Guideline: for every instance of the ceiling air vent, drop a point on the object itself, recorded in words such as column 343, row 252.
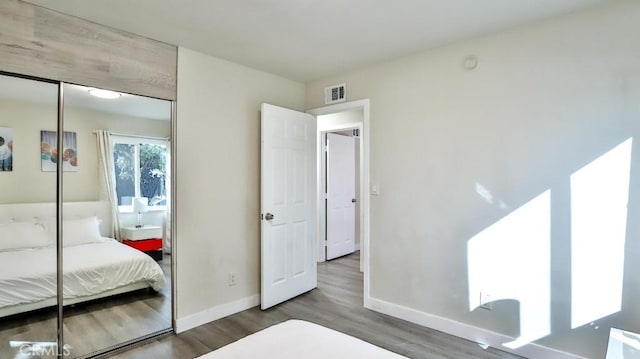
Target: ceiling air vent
column 336, row 93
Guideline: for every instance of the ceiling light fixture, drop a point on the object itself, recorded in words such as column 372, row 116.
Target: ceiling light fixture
column 104, row 93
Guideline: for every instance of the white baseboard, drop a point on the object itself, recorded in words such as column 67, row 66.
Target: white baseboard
column 215, row 313
column 466, row 331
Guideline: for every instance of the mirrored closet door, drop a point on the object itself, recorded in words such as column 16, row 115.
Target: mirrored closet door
column 28, row 264
column 109, row 173
column 116, row 219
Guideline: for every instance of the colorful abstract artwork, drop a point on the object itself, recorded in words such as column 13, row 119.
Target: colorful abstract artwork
column 50, row 153
column 6, row 149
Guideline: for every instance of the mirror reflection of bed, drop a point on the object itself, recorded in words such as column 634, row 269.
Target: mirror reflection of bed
column 107, row 285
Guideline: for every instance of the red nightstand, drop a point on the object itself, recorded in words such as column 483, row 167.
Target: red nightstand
column 147, row 239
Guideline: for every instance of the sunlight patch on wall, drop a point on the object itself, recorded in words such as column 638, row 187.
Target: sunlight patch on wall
column 599, row 196
column 483, row 192
column 511, row 260
column 486, row 195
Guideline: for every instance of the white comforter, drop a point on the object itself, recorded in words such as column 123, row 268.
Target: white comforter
column 296, row 339
column 29, row 276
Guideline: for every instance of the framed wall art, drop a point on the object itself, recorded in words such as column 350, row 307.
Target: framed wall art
column 50, row 154
column 6, row 149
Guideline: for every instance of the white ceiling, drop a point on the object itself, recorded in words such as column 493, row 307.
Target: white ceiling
column 126, row 104
column 19, row 89
column 305, row 40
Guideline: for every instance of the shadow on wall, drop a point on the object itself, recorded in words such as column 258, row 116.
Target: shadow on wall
column 513, row 258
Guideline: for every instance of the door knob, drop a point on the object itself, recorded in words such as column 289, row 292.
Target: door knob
column 268, row 216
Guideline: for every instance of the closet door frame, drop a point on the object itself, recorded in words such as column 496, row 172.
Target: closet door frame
column 59, row 217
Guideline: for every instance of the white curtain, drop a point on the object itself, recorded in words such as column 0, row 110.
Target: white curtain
column 105, row 154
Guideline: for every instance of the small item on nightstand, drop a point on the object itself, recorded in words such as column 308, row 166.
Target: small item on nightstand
column 140, row 206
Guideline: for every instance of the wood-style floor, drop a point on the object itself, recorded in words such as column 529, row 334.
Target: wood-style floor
column 336, row 304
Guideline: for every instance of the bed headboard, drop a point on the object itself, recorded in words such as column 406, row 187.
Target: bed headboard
column 33, row 212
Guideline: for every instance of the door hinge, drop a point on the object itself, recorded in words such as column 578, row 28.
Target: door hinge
column 326, row 196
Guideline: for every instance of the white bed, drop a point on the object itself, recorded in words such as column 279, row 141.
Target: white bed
column 99, row 268
column 295, row 339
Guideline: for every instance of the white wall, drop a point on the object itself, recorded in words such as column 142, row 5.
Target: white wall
column 545, row 100
column 27, row 183
column 335, row 120
column 218, row 184
column 28, row 119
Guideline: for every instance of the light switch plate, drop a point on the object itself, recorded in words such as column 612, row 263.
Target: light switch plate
column 375, row 189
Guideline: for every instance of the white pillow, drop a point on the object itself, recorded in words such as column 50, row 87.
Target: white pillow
column 22, row 235
column 75, row 231
column 81, row 231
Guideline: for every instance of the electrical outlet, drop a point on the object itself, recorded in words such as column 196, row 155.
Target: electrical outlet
column 485, row 301
column 232, row 279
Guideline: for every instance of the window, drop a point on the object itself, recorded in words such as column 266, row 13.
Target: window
column 141, row 170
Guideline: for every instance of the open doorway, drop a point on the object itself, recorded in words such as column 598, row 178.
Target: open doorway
column 348, row 119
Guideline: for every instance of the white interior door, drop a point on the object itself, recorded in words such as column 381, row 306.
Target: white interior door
column 289, row 212
column 341, row 195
